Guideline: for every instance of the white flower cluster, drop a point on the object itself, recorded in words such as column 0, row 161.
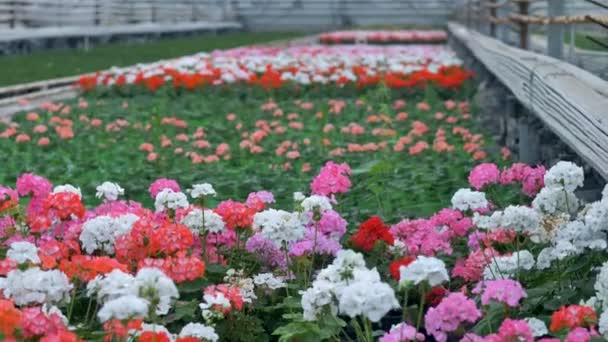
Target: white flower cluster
column 123, row 308
column 150, row 285
column 100, row 233
column 316, row 202
column 279, row 226
column 22, row 252
column 200, row 331
column 35, row 286
column 506, row 266
column 515, row 217
column 169, row 199
column 601, row 286
column 269, row 281
column 538, row 327
column 466, row 199
column 67, row 188
column 558, row 193
column 298, row 196
column 424, row 269
column 109, row 191
column 201, row 190
column 213, row 222
column 566, row 175
column 556, row 200
column 349, row 287
column 569, row 237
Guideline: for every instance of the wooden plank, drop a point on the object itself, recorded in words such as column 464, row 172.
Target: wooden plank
column 570, row 101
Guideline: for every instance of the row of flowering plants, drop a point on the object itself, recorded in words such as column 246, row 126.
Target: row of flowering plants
column 298, row 66
column 516, row 257
column 384, row 37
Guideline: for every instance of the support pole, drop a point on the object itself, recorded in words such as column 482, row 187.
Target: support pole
column 555, row 34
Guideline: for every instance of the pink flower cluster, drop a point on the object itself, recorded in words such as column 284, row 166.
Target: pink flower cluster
column 453, row 311
column 531, row 178
column 332, row 179
column 162, row 184
column 402, row 333
column 505, row 291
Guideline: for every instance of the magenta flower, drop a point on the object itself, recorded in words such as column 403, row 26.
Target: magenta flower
column 332, row 179
column 505, row 291
column 161, row 184
column 483, row 175
column 29, row 183
column 402, row 333
column 454, row 310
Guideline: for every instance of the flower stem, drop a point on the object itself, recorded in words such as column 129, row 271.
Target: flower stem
column 420, row 310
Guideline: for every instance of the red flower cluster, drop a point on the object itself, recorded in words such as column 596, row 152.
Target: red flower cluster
column 85, row 267
column 573, row 316
column 146, row 240
column 235, row 214
column 180, row 268
column 370, row 232
column 63, row 205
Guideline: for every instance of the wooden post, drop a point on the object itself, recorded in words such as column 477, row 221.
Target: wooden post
column 493, row 16
column 555, row 34
column 524, row 28
column 529, row 141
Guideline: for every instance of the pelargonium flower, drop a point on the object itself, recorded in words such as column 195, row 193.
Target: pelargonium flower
column 109, row 191
column 270, row 253
column 572, row 316
column 370, row 232
column 454, row 310
column 422, row 237
column 235, row 214
column 180, row 267
column 483, row 175
column 402, row 332
column 424, row 269
column 86, row 267
column 506, row 291
column 199, row 331
column 162, row 184
column 200, row 190
column 580, row 335
column 533, row 180
column 332, row 179
column 471, row 268
column 513, row 330
column 10, row 318
column 64, row 205
column 324, row 245
column 36, row 322
column 8, row 198
column 331, row 224
column 37, row 186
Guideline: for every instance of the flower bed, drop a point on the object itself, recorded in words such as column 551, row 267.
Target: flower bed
column 384, row 37
column 259, row 138
column 518, row 261
column 271, row 68
column 350, row 196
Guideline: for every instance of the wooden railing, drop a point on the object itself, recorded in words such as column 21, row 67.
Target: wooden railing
column 499, row 16
column 571, row 102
